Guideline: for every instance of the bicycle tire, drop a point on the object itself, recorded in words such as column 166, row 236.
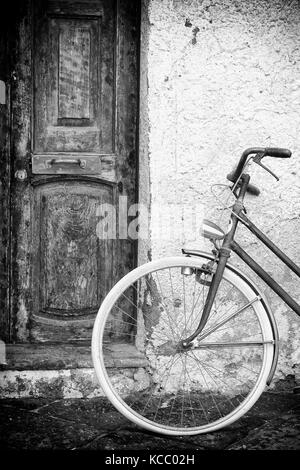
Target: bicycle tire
column 209, row 386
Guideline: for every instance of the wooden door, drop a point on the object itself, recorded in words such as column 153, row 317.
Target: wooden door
column 73, row 149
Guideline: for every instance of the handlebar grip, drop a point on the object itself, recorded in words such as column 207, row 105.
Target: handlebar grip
column 277, row 152
column 265, row 152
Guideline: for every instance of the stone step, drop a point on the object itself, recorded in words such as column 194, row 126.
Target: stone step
column 63, row 371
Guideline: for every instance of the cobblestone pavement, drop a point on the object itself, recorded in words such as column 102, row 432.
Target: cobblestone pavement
column 93, row 424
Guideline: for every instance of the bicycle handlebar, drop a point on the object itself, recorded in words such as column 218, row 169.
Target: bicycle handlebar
column 262, row 152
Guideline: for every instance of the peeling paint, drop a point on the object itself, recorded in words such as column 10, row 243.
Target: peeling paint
column 2, row 352
column 2, row 92
column 22, row 321
column 195, row 32
column 75, row 383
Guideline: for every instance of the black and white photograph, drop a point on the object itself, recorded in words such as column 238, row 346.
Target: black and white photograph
column 150, row 229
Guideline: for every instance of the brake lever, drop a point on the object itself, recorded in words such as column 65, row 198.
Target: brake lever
column 257, row 159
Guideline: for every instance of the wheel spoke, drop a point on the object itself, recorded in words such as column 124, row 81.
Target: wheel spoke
column 236, row 344
column 230, row 317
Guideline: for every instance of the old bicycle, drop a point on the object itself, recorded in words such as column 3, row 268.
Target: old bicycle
column 205, row 335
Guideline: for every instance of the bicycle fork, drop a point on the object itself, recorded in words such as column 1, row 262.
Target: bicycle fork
column 223, row 255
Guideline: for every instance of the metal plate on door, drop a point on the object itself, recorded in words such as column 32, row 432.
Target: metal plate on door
column 62, row 164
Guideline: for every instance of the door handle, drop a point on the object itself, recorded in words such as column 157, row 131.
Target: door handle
column 68, row 164
column 66, row 161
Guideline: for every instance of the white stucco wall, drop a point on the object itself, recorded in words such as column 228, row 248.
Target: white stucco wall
column 218, row 76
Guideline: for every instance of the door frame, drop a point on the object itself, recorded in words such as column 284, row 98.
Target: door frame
column 7, row 33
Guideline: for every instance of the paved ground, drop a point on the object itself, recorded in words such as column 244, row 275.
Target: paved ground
column 93, row 424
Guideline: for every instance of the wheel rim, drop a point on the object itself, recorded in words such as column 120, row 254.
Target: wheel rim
column 186, row 391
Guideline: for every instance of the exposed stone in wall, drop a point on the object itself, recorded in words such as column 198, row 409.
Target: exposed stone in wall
column 66, row 383
column 71, row 383
column 223, row 76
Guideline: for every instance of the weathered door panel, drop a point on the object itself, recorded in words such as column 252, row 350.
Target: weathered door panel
column 72, row 267
column 74, row 75
column 74, row 115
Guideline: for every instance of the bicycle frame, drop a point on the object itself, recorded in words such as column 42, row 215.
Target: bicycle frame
column 228, row 245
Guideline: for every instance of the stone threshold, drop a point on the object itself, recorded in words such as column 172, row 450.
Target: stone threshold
column 46, row 356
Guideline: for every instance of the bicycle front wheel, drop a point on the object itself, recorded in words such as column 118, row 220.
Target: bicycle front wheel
column 180, row 391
